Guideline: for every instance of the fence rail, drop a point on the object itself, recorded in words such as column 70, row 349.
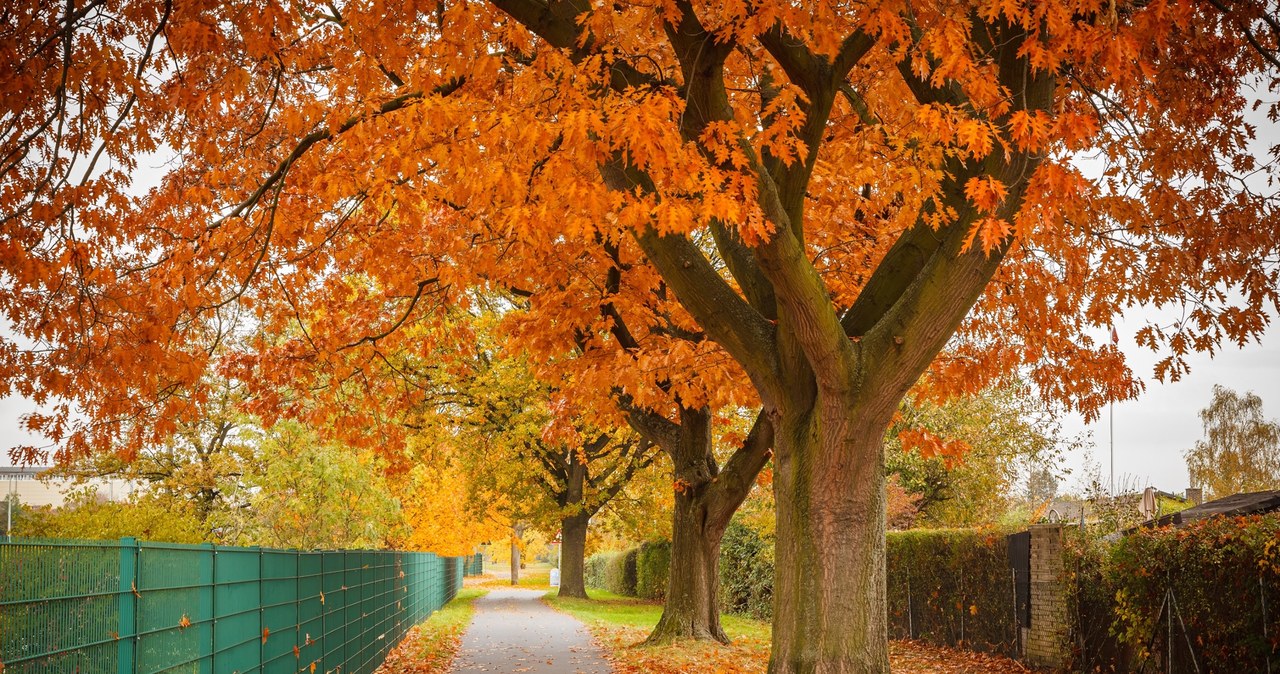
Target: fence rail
column 130, row 607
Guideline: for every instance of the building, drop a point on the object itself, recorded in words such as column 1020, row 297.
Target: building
column 25, row 483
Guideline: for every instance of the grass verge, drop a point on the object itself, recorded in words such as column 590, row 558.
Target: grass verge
column 530, row 579
column 620, row 624
column 429, row 647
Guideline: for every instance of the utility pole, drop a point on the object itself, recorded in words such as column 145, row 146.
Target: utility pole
column 1115, row 344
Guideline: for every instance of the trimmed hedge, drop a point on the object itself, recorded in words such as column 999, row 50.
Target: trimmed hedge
column 620, row 575
column 746, row 572
column 594, row 567
column 612, row 571
column 653, row 564
column 952, row 588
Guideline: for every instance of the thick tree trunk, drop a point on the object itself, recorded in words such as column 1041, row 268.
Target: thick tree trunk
column 573, row 551
column 829, row 582
column 692, row 609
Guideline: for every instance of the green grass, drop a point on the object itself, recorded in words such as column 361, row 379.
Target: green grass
column 613, row 609
column 620, row 624
column 430, row 646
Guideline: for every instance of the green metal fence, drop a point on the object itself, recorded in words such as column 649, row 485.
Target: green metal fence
column 130, row 607
column 474, row 564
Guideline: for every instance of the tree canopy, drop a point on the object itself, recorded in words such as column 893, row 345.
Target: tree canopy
column 1240, row 450
column 804, row 204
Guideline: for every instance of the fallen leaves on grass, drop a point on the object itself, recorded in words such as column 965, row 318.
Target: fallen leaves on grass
column 745, row 656
column 751, row 656
column 429, row 647
column 918, row 657
column 423, row 651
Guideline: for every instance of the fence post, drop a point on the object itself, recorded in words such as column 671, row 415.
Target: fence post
column 127, row 629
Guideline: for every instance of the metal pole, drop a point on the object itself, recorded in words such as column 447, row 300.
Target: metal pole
column 1113, row 449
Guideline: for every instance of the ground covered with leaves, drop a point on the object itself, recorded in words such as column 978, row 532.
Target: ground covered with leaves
column 619, row 624
column 429, row 647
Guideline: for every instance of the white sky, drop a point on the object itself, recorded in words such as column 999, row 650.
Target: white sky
column 1153, row 431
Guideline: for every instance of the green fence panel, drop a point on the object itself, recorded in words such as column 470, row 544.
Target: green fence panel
column 125, row 607
column 174, row 610
column 237, row 598
column 59, row 606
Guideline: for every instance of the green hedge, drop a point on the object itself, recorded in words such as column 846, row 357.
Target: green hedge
column 594, row 568
column 620, row 574
column 746, row 572
column 653, row 563
column 952, row 588
column 1222, row 578
column 613, row 571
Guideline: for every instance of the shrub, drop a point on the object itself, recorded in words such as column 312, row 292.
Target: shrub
column 593, row 571
column 1221, row 576
column 746, row 572
column 653, row 562
column 1094, row 640
column 952, row 587
column 620, row 573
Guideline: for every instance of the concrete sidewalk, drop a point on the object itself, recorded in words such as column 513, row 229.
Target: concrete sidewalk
column 514, row 632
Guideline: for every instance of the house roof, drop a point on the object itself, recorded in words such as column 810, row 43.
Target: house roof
column 1237, row 504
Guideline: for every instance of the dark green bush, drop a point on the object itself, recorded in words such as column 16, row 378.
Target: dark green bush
column 953, row 588
column 653, row 562
column 1094, row 643
column 620, row 573
column 746, row 572
column 593, row 571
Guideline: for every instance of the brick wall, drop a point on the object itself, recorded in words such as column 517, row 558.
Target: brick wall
column 1046, row 640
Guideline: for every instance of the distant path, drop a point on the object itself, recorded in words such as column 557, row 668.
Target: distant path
column 514, row 632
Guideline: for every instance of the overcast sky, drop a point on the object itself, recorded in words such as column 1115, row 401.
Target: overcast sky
column 1152, row 432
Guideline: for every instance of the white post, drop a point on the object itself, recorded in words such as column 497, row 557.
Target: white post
column 1113, row 449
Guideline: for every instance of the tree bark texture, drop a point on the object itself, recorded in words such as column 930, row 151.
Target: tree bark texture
column 829, row 582
column 573, row 551
column 706, row 496
column 692, row 608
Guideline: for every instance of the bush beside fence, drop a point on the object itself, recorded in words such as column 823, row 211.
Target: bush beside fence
column 1199, row 598
column 653, row 563
column 123, row 607
column 952, row 588
column 746, row 572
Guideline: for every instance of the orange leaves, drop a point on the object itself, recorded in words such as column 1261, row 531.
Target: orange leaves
column 184, row 622
column 1029, row 131
column 266, row 632
column 930, row 445
column 986, row 193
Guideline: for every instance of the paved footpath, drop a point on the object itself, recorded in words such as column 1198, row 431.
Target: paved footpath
column 514, row 632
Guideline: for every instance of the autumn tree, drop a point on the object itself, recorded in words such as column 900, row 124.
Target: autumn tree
column 1240, row 451
column 532, row 445
column 965, row 459
column 831, row 193
column 200, row 463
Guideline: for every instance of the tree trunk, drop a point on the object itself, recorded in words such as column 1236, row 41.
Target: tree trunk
column 573, row 551
column 829, row 582
column 692, row 609
column 516, row 532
